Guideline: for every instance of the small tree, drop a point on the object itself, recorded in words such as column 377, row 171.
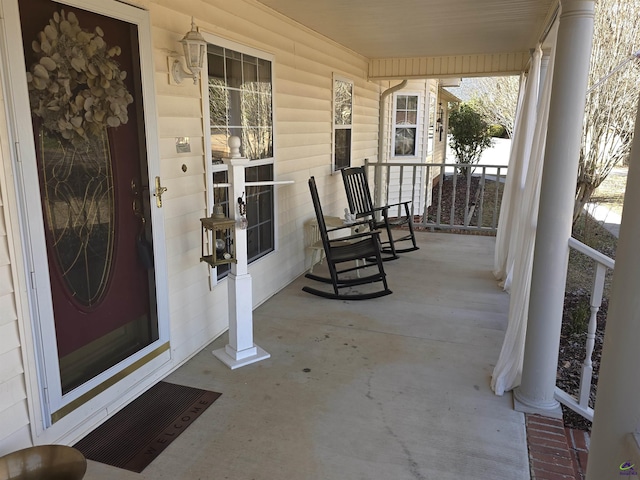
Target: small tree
column 496, row 98
column 469, row 135
column 611, row 106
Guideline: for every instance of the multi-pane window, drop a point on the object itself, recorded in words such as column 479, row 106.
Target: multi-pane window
column 241, row 104
column 405, row 125
column 432, row 123
column 342, row 122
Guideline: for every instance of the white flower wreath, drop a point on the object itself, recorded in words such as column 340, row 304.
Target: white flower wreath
column 76, row 87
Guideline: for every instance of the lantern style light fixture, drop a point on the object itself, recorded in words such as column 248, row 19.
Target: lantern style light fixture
column 440, row 120
column 220, row 229
column 194, row 46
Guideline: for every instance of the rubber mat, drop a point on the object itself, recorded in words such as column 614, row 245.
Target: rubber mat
column 138, row 433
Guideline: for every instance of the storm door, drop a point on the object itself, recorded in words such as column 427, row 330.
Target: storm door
column 84, row 78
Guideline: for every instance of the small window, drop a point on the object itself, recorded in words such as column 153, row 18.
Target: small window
column 342, row 122
column 405, row 140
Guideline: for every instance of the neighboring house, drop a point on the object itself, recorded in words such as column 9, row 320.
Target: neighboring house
column 102, row 292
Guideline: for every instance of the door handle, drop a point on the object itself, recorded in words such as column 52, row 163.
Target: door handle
column 159, row 191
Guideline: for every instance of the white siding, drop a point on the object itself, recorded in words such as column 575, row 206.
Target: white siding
column 303, row 66
column 304, row 63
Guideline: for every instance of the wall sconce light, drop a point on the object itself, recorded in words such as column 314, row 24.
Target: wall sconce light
column 440, row 121
column 194, row 46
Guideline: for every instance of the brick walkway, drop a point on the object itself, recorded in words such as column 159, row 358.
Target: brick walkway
column 556, row 452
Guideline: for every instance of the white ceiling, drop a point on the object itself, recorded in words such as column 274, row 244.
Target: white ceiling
column 420, row 28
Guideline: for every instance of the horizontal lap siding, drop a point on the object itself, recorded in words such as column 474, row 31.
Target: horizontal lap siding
column 304, row 64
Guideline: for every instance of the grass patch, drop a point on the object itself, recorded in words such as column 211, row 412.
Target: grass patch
column 582, row 268
column 610, row 193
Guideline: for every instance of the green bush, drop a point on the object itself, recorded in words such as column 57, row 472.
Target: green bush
column 497, row 131
column 469, row 135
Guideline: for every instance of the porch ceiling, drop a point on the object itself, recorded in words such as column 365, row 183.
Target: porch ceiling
column 424, row 28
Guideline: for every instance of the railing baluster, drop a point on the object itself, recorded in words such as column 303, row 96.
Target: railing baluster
column 426, row 195
column 440, row 182
column 413, row 190
column 453, row 197
column 400, row 183
column 388, row 183
column 494, row 220
column 480, row 222
column 603, row 263
column 467, row 197
column 587, row 366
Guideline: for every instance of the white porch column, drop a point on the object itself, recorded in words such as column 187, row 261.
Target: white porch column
column 566, row 113
column 240, row 350
column 617, row 409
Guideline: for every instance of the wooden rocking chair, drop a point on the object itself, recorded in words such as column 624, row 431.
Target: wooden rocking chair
column 361, row 205
column 341, row 256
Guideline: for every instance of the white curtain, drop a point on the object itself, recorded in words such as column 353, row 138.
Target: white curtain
column 508, row 369
column 516, row 178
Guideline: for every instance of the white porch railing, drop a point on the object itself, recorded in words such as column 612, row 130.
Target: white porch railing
column 444, row 195
column 580, row 404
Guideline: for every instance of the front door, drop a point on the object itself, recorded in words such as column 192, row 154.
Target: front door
column 87, row 109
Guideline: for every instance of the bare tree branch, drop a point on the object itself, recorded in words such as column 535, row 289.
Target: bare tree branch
column 611, row 105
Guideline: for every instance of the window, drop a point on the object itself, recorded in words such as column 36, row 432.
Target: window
column 342, row 122
column 405, row 126
column 432, row 122
column 241, row 104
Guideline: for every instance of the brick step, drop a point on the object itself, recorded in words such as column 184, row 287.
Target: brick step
column 556, row 452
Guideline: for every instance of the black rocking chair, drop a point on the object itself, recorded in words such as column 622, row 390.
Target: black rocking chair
column 341, row 256
column 361, row 205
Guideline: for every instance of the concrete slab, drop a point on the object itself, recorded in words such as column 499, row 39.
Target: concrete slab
column 610, row 220
column 390, row 388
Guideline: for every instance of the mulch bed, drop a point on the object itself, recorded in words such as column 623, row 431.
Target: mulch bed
column 462, row 204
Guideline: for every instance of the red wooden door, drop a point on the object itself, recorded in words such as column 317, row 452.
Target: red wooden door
column 86, row 100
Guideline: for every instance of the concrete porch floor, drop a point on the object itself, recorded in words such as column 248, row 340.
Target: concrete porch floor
column 390, row 388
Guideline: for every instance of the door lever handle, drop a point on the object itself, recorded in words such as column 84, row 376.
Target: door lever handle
column 159, row 191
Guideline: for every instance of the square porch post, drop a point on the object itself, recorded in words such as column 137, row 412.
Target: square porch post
column 240, row 350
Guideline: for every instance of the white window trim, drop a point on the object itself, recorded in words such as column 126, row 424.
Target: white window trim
column 419, row 148
column 431, row 123
column 210, row 168
column 335, row 127
column 238, row 47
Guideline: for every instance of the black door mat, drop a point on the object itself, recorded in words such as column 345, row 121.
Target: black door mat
column 138, row 433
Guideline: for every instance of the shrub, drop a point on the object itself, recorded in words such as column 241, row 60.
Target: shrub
column 497, row 131
column 469, row 135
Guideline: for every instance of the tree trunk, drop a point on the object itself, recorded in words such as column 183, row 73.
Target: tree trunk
column 583, row 195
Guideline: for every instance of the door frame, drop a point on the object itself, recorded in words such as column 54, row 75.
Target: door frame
column 48, row 403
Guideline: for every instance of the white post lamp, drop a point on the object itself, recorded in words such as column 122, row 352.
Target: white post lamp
column 240, row 350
